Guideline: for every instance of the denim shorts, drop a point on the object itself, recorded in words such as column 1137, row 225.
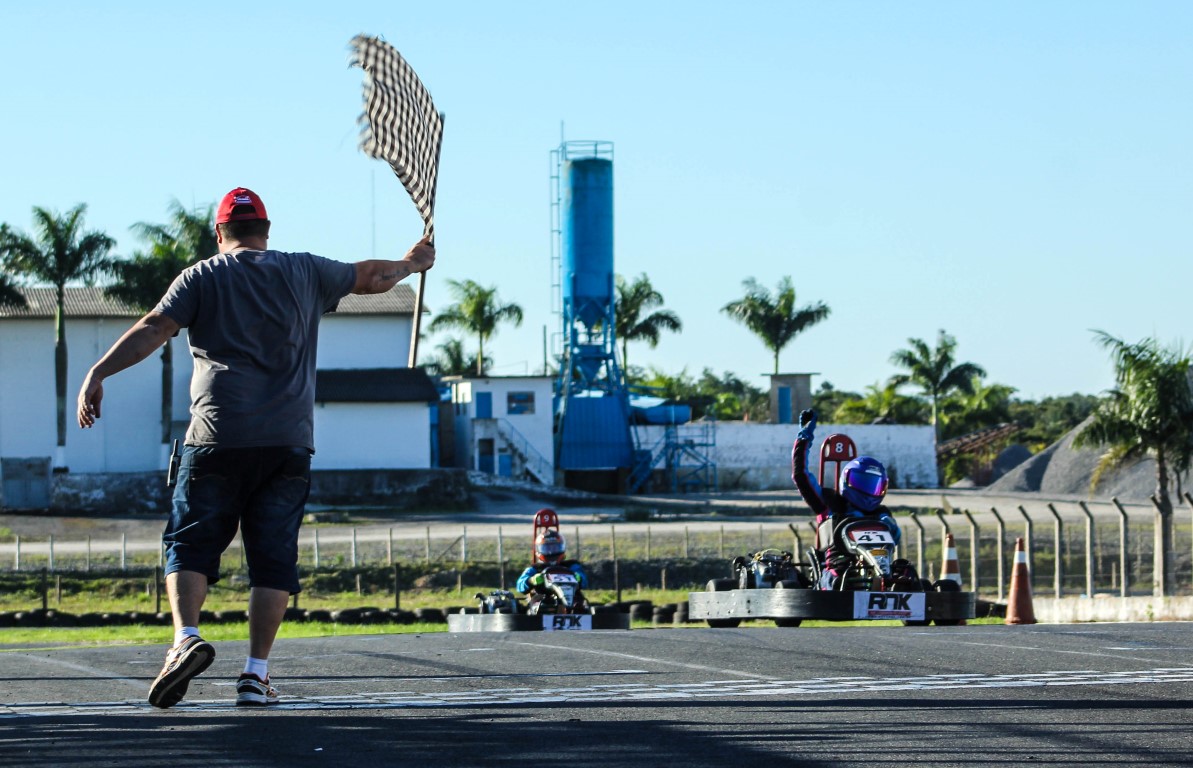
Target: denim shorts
column 261, row 491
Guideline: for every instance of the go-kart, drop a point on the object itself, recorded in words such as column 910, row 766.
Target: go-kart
column 558, row 604
column 872, row 584
column 560, row 593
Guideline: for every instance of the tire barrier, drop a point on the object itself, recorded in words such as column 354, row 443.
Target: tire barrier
column 52, row 618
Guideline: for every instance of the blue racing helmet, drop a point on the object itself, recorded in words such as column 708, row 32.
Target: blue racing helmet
column 863, row 483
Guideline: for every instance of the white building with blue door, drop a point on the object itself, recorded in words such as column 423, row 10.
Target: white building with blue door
column 504, row 425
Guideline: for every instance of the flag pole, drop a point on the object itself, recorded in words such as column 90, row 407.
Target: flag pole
column 416, row 327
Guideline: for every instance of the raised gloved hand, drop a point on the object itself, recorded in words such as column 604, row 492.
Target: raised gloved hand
column 807, row 423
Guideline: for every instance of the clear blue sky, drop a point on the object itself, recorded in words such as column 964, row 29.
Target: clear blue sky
column 1016, row 173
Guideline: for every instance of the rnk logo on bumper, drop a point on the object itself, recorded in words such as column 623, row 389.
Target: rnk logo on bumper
column 909, row 606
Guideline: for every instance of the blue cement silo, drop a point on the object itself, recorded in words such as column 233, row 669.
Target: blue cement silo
column 593, row 429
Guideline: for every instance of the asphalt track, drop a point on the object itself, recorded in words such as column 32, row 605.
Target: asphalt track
column 1093, row 695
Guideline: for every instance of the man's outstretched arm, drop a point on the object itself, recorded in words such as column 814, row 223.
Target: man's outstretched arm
column 379, row 275
column 139, row 342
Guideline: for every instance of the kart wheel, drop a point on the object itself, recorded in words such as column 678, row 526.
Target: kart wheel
column 723, row 623
column 787, row 622
column 922, row 623
column 745, row 579
column 721, row 585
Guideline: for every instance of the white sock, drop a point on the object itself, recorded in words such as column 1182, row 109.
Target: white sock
column 258, row 667
column 184, row 633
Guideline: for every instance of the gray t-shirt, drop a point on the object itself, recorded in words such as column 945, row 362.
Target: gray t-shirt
column 252, row 318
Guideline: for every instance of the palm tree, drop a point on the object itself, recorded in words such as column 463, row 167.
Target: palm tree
column 774, row 319
column 58, row 253
column 10, row 295
column 478, row 310
column 1148, row 413
column 977, row 407
column 453, row 360
column 193, row 231
column 933, row 370
column 633, row 300
column 880, row 405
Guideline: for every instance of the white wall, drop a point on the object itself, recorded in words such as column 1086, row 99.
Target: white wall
column 127, row 437
column 365, row 341
column 758, row 456
column 372, row 436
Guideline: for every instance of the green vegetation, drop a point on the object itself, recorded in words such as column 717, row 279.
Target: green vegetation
column 478, row 310
column 60, row 252
column 634, row 300
column 774, row 318
column 1148, row 413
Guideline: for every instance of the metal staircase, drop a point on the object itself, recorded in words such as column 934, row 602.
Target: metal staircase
column 533, row 462
column 684, row 452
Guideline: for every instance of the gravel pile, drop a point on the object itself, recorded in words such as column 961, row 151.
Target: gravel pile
column 1062, row 469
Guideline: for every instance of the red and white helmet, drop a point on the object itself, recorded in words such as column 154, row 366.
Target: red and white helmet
column 550, row 547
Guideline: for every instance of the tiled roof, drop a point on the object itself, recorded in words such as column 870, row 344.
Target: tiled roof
column 80, row 302
column 375, row 385
column 399, row 301
column 84, row 302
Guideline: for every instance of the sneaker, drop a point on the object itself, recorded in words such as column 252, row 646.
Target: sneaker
column 183, row 662
column 252, row 691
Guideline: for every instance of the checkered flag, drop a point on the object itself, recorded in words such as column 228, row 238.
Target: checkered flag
column 401, row 127
column 400, row 124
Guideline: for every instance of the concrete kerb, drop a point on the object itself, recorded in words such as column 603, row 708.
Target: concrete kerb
column 1076, row 610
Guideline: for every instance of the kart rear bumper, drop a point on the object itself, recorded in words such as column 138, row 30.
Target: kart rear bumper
column 816, row 604
column 520, row 622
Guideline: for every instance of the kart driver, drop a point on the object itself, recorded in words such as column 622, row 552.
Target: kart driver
column 549, row 551
column 862, row 485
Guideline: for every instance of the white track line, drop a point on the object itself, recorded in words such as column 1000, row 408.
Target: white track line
column 650, row 660
column 102, row 674
column 612, row 695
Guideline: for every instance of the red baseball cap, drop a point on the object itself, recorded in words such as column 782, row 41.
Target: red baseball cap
column 240, row 204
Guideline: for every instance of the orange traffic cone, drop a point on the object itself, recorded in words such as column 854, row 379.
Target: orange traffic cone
column 951, row 570
column 1019, row 610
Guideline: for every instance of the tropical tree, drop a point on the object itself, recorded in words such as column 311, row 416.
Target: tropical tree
column 934, row 370
column 59, row 252
column 879, row 405
column 827, row 399
column 193, row 231
column 1148, row 413
column 478, row 310
column 10, row 296
column 976, row 407
column 634, row 300
column 733, row 398
column 452, row 360
column 774, row 318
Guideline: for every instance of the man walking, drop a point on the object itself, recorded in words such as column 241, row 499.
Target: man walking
column 252, row 319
